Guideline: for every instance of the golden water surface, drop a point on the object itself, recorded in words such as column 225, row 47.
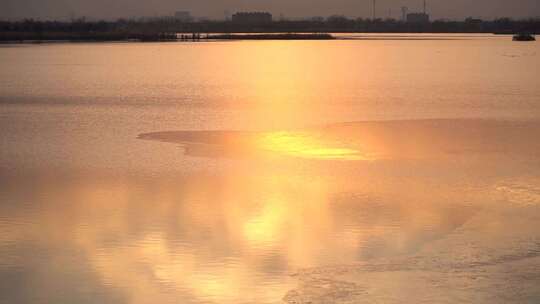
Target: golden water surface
column 346, row 171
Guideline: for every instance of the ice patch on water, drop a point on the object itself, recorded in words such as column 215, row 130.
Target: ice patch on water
column 519, row 192
column 492, row 258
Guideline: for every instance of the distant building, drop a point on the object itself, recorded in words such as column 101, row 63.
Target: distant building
column 472, row 20
column 183, row 16
column 418, row 18
column 404, row 11
column 252, row 17
column 474, row 24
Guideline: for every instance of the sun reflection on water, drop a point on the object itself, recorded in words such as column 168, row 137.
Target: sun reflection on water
column 306, row 145
column 266, row 226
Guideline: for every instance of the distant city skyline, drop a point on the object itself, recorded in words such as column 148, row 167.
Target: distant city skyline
column 107, row 9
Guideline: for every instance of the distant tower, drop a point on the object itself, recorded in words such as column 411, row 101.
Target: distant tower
column 425, row 11
column 374, row 9
column 404, row 11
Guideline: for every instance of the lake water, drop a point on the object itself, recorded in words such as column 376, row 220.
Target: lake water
column 377, row 169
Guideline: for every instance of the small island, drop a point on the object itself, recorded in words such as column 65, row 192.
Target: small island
column 274, row 36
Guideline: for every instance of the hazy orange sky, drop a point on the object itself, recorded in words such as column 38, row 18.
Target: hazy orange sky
column 108, row 9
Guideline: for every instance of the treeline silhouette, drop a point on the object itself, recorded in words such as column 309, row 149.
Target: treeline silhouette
column 158, row 29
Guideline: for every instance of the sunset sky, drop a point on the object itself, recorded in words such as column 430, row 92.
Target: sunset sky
column 109, row 9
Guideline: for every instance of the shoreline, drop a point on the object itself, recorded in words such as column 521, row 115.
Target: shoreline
column 33, row 38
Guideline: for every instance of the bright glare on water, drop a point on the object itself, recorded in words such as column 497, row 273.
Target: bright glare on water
column 347, row 171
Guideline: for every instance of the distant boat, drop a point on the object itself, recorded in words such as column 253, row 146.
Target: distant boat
column 524, row 37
